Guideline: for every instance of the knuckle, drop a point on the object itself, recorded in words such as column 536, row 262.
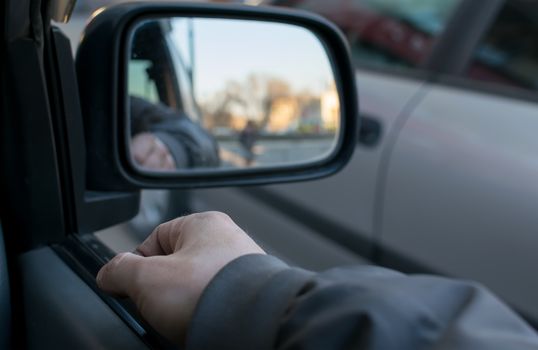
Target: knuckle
column 121, row 260
column 162, row 229
column 195, row 217
column 115, row 262
column 159, row 228
column 108, row 271
column 217, row 215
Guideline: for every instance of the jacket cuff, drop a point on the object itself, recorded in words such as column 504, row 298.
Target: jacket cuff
column 242, row 305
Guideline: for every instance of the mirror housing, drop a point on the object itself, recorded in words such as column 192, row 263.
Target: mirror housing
column 101, row 70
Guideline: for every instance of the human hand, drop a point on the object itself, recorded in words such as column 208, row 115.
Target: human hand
column 149, row 152
column 175, row 264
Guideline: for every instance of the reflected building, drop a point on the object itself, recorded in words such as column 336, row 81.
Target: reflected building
column 283, row 115
column 305, row 114
column 330, row 109
column 311, row 121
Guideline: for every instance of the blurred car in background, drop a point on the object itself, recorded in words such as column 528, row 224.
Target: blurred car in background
column 444, row 174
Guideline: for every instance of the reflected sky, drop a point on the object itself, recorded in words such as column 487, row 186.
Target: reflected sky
column 229, row 50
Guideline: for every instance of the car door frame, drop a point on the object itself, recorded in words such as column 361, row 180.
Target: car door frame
column 450, row 70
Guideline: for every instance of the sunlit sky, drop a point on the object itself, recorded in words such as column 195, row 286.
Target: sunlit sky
column 230, row 50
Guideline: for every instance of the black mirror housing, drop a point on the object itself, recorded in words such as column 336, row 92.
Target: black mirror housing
column 101, row 72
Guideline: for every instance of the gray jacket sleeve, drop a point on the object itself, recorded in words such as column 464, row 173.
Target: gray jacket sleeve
column 258, row 302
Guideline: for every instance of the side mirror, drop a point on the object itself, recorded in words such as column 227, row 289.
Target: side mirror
column 182, row 96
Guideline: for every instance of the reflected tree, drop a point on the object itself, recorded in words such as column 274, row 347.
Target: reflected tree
column 252, row 99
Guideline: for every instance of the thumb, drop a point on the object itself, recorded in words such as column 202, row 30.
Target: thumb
column 118, row 276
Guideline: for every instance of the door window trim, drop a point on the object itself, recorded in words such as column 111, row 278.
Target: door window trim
column 451, row 55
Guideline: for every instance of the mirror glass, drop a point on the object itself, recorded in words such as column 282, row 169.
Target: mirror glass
column 214, row 94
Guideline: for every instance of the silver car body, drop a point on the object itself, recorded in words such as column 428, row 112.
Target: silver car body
column 451, row 188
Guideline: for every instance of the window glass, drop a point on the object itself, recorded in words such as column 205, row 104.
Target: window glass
column 386, row 32
column 140, row 83
column 508, row 53
column 181, row 59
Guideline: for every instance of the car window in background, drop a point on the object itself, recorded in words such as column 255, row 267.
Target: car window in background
column 398, row 33
column 508, row 53
column 182, row 55
column 141, row 84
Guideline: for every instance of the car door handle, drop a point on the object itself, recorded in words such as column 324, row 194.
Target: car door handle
column 369, row 131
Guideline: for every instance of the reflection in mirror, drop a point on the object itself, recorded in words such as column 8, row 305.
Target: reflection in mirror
column 208, row 93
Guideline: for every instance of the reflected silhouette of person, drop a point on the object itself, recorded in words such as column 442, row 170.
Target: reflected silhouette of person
column 247, row 139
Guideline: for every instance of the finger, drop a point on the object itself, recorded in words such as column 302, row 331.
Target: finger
column 119, row 275
column 163, row 159
column 139, row 152
column 142, row 146
column 159, row 158
column 158, row 144
column 154, row 160
column 166, row 162
column 163, row 240
column 170, row 161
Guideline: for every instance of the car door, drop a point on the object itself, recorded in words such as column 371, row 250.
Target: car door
column 461, row 195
